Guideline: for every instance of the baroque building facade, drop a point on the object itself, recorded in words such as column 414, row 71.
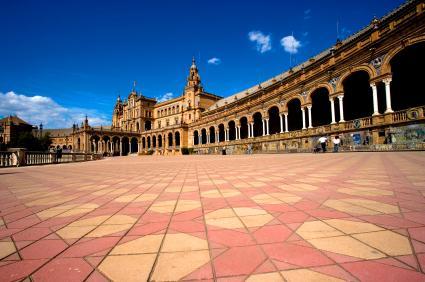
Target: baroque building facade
column 366, row 89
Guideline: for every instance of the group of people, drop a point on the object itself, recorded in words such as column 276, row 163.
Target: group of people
column 323, row 143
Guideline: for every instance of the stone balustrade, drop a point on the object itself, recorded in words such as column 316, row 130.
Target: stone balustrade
column 27, row 158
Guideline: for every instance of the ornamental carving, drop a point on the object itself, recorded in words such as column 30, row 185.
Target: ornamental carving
column 377, row 63
column 334, row 82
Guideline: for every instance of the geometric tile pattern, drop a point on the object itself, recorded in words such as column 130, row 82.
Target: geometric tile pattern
column 286, row 217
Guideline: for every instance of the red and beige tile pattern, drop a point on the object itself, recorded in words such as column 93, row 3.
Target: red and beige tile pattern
column 300, row 217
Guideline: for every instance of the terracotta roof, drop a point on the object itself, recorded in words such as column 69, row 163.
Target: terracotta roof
column 15, row 119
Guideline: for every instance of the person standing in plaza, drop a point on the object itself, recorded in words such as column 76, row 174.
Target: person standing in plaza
column 322, row 141
column 336, row 141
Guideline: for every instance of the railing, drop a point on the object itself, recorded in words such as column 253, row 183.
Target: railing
column 27, row 158
column 6, row 159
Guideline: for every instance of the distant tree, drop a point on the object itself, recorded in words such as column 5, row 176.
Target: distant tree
column 28, row 141
column 45, row 142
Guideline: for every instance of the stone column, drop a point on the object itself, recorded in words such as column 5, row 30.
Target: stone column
column 129, row 146
column 238, row 133
column 267, row 127
column 250, row 133
column 252, row 129
column 332, row 110
column 208, row 138
column 217, row 137
column 193, row 140
column 120, row 147
column 138, row 147
column 310, row 118
column 281, row 123
column 264, row 127
column 228, row 134
column 387, row 82
column 375, row 99
column 286, row 122
column 303, row 116
column 341, row 108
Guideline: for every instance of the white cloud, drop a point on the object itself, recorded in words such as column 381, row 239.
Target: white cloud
column 290, row 44
column 41, row 109
column 165, row 97
column 307, row 14
column 214, row 61
column 263, row 42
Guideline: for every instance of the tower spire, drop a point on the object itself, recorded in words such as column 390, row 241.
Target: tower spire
column 193, row 79
column 193, row 62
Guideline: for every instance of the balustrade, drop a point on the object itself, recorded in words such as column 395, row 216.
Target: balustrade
column 8, row 159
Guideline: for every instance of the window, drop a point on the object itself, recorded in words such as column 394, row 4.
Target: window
column 167, row 122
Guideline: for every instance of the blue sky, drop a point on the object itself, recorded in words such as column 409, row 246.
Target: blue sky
column 62, row 59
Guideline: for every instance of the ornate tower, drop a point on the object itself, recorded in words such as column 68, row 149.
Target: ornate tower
column 191, row 94
column 117, row 115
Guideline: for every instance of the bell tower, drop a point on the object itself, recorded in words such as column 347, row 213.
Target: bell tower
column 191, row 94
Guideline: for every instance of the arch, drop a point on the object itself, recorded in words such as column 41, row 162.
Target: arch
column 295, row 97
column 154, row 141
column 177, row 138
column 143, row 142
column 244, row 127
column 325, row 85
column 386, row 63
column 125, row 146
column 321, row 107
column 64, row 147
column 94, row 143
column 365, row 67
column 78, row 144
column 69, row 147
column 221, row 135
column 294, row 114
column 358, row 100
column 258, row 124
column 274, row 120
column 115, row 145
column 133, row 145
column 148, row 140
column 196, row 137
column 203, row 136
column 406, row 85
column 148, row 125
column 232, row 130
column 170, row 140
column 212, row 134
column 160, row 141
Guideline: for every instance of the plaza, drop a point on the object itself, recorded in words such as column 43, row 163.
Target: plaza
column 261, row 217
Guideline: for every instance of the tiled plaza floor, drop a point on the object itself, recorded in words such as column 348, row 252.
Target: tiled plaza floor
column 299, row 217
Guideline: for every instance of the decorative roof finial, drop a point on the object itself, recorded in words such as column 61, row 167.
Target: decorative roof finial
column 134, row 86
column 193, row 62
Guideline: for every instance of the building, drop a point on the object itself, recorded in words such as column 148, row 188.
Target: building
column 11, row 127
column 366, row 89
